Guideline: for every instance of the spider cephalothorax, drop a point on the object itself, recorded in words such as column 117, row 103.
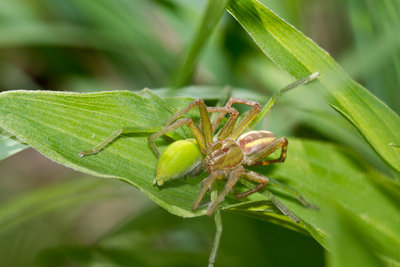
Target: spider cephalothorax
column 226, row 153
column 223, row 155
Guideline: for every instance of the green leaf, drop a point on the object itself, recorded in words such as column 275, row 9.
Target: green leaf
column 61, row 125
column 326, row 173
column 296, row 54
column 351, row 246
column 390, row 187
column 209, row 20
column 9, row 146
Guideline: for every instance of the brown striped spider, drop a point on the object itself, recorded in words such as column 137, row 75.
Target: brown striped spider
column 225, row 154
column 230, row 150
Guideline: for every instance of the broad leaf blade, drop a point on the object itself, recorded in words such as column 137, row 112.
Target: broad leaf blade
column 293, row 52
column 61, row 125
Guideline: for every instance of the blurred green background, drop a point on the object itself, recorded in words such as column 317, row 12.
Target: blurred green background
column 53, row 216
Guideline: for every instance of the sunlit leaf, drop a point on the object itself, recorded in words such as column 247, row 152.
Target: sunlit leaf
column 61, row 125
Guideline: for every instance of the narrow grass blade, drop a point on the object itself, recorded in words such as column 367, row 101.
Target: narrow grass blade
column 209, row 20
column 293, row 52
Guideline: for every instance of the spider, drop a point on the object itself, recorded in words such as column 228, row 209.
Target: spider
column 228, row 152
column 225, row 154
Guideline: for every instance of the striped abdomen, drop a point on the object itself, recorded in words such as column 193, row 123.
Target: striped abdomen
column 254, row 141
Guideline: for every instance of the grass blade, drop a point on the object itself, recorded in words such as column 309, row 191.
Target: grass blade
column 209, row 20
column 296, row 54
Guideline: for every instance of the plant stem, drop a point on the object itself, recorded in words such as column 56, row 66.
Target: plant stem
column 218, row 224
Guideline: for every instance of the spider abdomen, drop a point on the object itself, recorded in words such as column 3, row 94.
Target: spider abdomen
column 178, row 159
column 225, row 154
column 254, row 141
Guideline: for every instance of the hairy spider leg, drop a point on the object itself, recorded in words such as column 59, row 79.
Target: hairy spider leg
column 233, row 177
column 205, row 123
column 108, row 140
column 279, row 93
column 193, row 127
column 256, row 158
column 227, row 128
column 254, row 177
column 225, row 95
column 285, row 211
column 242, row 125
column 113, row 136
column 205, row 186
column 292, row 191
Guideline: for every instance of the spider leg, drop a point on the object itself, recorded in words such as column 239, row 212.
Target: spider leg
column 204, row 118
column 233, row 177
column 256, row 159
column 242, row 125
column 229, row 125
column 279, row 93
column 225, row 96
column 293, row 192
column 112, row 137
column 254, row 177
column 285, row 211
column 189, row 122
column 205, row 185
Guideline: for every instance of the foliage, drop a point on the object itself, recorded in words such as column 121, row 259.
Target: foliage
column 344, row 158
